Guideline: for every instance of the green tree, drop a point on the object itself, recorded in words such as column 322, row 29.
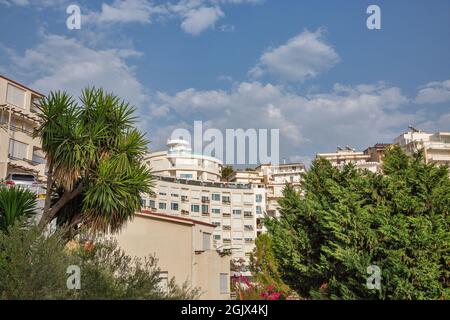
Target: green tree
column 227, row 171
column 264, row 266
column 15, row 203
column 350, row 219
column 94, row 157
column 33, row 265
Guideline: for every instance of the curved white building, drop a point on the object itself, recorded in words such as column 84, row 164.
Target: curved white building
column 180, row 162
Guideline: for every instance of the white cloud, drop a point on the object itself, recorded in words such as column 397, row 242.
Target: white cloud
column 126, row 11
column 303, row 56
column 38, row 3
column 434, row 92
column 196, row 16
column 358, row 116
column 198, row 20
column 62, row 63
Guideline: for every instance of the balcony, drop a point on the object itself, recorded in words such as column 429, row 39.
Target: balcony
column 226, row 228
column 226, row 215
column 186, row 212
column 205, row 200
column 226, row 201
column 205, row 214
column 248, row 215
column 184, row 199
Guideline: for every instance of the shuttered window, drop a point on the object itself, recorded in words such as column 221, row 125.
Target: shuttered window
column 15, row 96
column 206, row 241
column 224, row 283
column 17, row 149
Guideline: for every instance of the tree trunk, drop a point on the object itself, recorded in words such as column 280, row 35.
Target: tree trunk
column 51, row 213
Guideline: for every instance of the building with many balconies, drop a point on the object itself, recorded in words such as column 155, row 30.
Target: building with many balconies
column 189, row 185
column 20, row 152
column 343, row 156
column 179, row 161
column 435, row 146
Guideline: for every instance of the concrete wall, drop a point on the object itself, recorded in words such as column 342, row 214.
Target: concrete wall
column 178, row 246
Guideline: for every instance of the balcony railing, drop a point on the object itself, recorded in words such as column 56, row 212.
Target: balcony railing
column 205, row 183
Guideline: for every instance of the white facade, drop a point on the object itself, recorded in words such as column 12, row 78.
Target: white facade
column 180, row 162
column 435, row 146
column 347, row 155
column 188, row 185
column 276, row 177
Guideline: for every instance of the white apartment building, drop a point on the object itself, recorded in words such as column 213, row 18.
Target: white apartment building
column 275, row 178
column 189, row 185
column 179, row 161
column 435, row 146
column 20, row 153
column 343, row 156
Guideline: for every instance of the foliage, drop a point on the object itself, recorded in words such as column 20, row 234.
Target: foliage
column 246, row 290
column 227, row 171
column 350, row 219
column 94, row 157
column 15, row 203
column 264, row 266
column 33, row 265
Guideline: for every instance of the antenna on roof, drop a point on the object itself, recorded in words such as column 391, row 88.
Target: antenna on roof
column 413, row 129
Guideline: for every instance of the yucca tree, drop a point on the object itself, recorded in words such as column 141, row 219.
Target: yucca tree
column 15, row 203
column 94, row 158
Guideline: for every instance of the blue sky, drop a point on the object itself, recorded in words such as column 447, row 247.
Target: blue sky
column 310, row 68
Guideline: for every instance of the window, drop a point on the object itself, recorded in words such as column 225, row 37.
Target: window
column 38, row 156
column 237, row 211
column 216, row 223
column 151, row 203
column 195, row 208
column 206, row 241
column 215, row 197
column 15, row 96
column 258, row 210
column 17, row 149
column 174, row 206
column 215, row 211
column 224, row 283
column 174, row 195
column 259, row 198
column 162, row 205
column 205, row 208
column 143, row 203
column 217, row 237
column 248, row 214
column 205, row 199
column 186, row 175
column 226, row 199
column 162, row 194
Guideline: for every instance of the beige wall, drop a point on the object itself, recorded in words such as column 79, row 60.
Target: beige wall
column 178, row 246
column 20, row 129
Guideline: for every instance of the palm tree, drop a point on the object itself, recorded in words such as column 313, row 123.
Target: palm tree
column 15, row 203
column 94, row 159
